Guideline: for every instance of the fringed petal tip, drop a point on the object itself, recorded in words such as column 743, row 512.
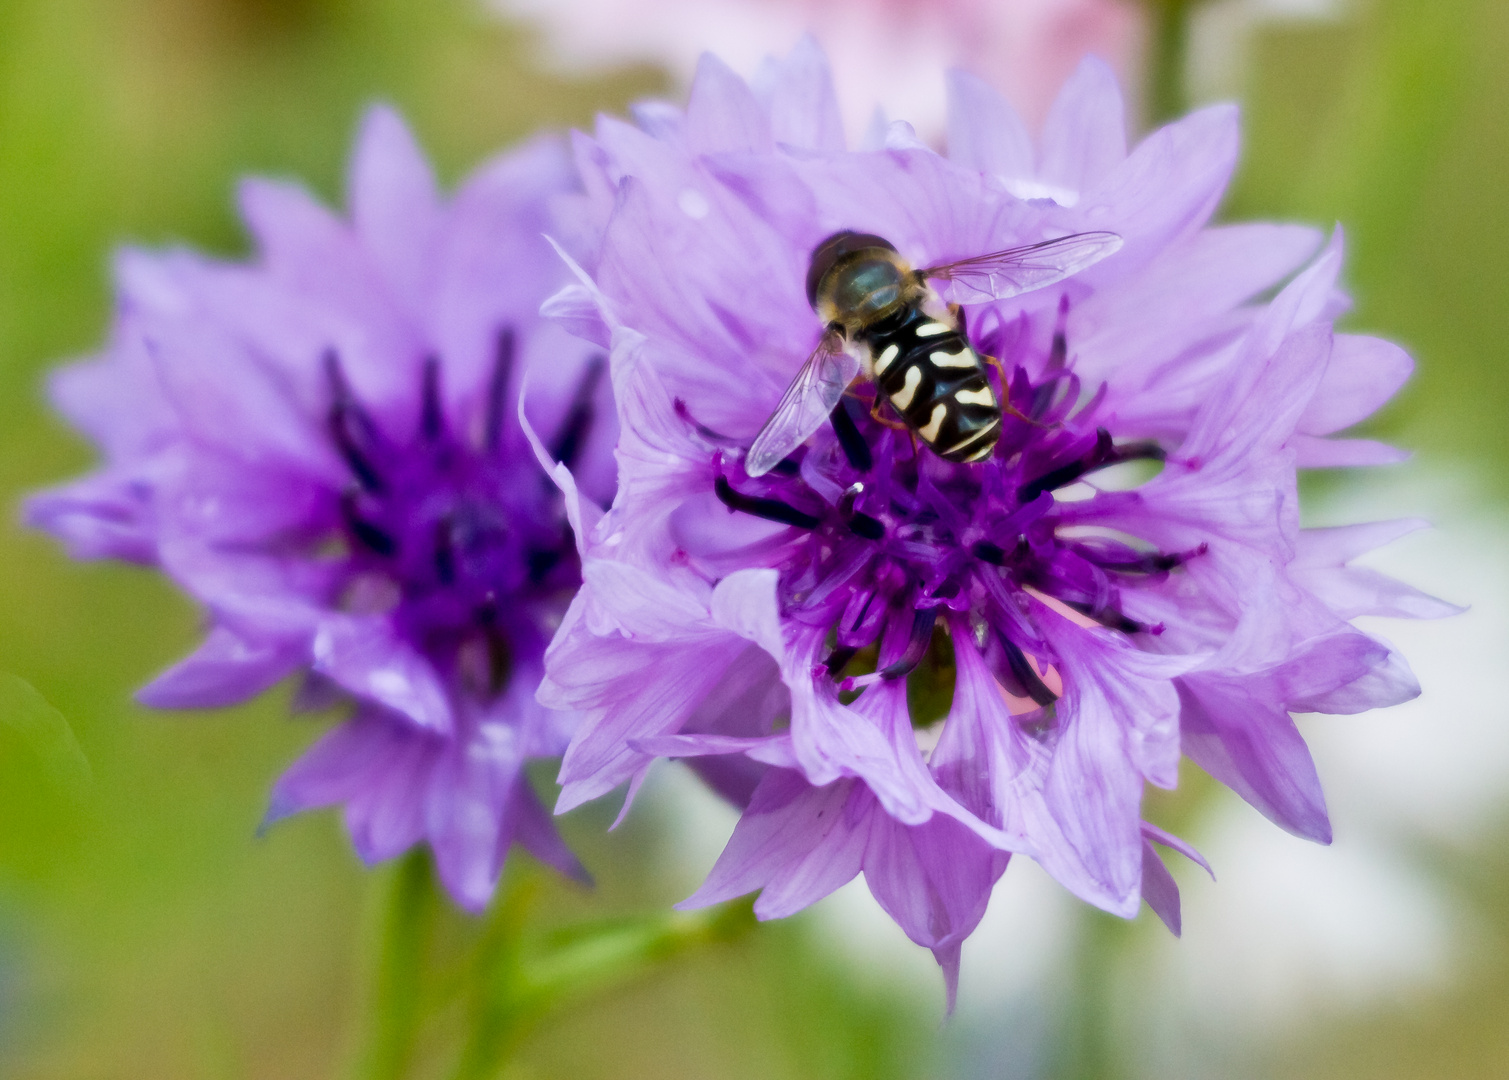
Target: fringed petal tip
column 278, row 808
column 948, row 957
column 635, row 783
column 1160, row 890
column 1158, row 886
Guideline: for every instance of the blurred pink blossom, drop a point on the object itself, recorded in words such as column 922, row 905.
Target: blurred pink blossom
column 883, row 52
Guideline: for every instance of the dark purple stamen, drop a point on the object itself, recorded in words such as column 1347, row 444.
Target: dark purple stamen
column 868, row 611
column 1058, row 352
column 370, row 536
column 353, row 431
column 866, row 526
column 1124, row 560
column 1109, row 617
column 895, row 536
column 497, row 389
column 445, row 550
column 849, row 439
column 442, row 528
column 431, row 411
column 923, row 622
column 770, row 509
column 1044, row 395
column 839, row 659
column 711, row 437
column 578, row 424
column 860, row 524
column 1027, row 682
column 1104, row 454
column 542, row 562
column 985, row 551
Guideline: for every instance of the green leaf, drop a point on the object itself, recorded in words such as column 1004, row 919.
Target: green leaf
column 598, row 955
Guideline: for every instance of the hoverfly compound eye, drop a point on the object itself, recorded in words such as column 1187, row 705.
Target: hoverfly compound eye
column 836, row 247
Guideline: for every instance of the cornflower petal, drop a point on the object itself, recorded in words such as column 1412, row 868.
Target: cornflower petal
column 797, row 93
column 329, row 448
column 984, row 131
column 915, row 667
column 1084, row 136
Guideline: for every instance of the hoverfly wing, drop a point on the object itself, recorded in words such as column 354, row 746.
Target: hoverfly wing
column 1001, row 275
column 805, row 405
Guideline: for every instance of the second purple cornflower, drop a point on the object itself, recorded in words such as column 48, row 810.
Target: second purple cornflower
column 323, row 447
column 912, row 668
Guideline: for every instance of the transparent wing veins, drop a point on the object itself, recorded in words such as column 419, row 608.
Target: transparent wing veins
column 1000, row 275
column 805, row 405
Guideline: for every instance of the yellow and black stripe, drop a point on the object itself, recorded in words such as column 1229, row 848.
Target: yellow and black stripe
column 936, row 383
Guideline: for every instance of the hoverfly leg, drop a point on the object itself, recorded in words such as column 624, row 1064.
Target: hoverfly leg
column 1005, row 396
column 884, row 421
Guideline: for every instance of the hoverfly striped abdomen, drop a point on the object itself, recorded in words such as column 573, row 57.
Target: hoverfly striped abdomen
column 932, row 378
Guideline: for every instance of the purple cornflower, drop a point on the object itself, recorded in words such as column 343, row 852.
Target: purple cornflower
column 913, row 668
column 323, row 447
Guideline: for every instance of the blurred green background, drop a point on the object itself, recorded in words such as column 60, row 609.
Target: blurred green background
column 145, row 931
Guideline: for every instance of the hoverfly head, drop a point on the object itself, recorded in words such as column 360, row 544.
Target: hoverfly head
column 855, row 277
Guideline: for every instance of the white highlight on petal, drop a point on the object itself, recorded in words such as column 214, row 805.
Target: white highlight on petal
column 1079, row 491
column 903, row 397
column 964, row 358
column 694, row 204
column 1025, row 188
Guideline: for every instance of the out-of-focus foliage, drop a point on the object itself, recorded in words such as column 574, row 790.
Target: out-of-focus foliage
column 146, row 931
column 1392, row 123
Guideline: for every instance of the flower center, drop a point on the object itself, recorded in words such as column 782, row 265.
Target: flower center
column 458, row 539
column 896, row 546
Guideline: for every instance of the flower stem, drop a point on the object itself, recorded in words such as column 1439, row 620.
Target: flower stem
column 495, row 1014
column 1167, row 59
column 516, row 982
column 1086, row 1045
column 393, row 1007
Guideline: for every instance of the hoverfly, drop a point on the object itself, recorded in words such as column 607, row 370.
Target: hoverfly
column 883, row 318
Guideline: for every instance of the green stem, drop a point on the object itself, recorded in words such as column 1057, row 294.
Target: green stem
column 393, row 1009
column 495, row 1021
column 1085, row 1048
column 516, row 986
column 1168, row 54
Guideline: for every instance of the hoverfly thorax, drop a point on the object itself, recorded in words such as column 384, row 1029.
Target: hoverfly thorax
column 856, row 279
